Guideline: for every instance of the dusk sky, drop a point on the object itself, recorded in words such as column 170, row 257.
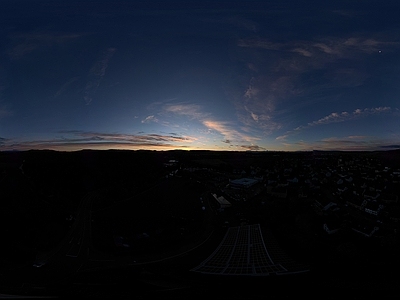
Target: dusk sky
column 217, row 75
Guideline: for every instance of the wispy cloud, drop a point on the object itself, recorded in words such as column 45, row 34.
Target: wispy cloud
column 336, row 117
column 227, row 131
column 97, row 73
column 252, row 147
column 392, row 146
column 4, row 111
column 134, row 138
column 75, row 140
column 282, row 137
column 193, row 111
column 149, row 119
column 352, row 144
column 25, row 43
column 256, row 106
column 344, row 116
column 282, row 71
column 65, row 86
column 333, row 46
column 3, row 141
column 225, row 128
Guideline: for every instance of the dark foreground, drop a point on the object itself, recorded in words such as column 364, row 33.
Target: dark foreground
column 133, row 225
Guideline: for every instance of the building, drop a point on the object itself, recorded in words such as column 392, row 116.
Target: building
column 222, row 201
column 366, row 230
column 331, row 226
column 242, row 183
column 373, row 207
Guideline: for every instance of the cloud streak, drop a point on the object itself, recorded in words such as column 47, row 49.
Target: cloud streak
column 256, row 107
column 228, row 133
column 336, row 117
column 150, row 119
column 332, row 46
column 25, row 43
column 96, row 74
column 65, row 86
column 348, row 143
column 281, row 72
column 76, row 140
column 192, row 111
column 226, row 129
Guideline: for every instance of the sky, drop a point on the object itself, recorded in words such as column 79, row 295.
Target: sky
column 283, row 75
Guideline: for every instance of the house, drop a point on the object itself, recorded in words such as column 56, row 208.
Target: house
column 222, row 201
column 328, row 230
column 324, row 206
column 394, row 213
column 365, row 229
column 278, row 191
column 293, row 181
column 332, row 225
column 243, row 183
column 373, row 207
column 302, row 193
column 371, row 195
column 357, row 202
column 389, row 198
column 342, row 190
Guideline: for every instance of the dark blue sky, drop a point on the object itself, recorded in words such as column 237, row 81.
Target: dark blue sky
column 229, row 75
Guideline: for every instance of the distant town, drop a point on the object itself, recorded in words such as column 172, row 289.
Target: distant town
column 183, row 217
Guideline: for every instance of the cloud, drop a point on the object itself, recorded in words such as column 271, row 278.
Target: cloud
column 65, row 86
column 227, row 131
column 76, row 140
column 358, row 137
column 332, row 46
column 336, row 117
column 99, row 68
column 257, row 104
column 25, row 43
column 328, row 49
column 282, row 137
column 193, row 111
column 346, row 144
column 96, row 74
column 351, row 144
column 132, row 138
column 260, row 43
column 331, row 118
column 288, row 64
column 280, row 73
column 396, row 146
column 149, row 119
column 302, row 51
column 252, row 147
column 3, row 141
